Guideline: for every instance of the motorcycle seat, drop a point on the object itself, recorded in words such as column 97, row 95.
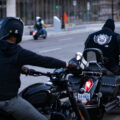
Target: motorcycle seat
column 93, row 66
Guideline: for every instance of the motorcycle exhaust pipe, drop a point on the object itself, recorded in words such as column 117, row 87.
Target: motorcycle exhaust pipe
column 111, row 105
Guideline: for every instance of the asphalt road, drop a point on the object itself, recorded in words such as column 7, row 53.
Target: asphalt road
column 61, row 47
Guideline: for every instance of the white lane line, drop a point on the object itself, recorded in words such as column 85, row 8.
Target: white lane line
column 65, row 39
column 50, row 50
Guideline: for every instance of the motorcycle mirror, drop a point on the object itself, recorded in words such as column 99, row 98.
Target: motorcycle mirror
column 83, row 62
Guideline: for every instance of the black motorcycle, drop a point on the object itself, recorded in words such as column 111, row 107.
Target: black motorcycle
column 38, row 34
column 96, row 87
column 54, row 99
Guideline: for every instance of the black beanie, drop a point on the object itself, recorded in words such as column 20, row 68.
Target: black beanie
column 109, row 24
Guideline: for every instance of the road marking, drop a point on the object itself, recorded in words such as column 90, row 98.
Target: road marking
column 50, row 50
column 65, row 39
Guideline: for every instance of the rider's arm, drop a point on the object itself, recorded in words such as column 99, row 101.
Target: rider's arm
column 27, row 57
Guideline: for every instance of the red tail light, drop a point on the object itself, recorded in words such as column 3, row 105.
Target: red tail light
column 88, row 85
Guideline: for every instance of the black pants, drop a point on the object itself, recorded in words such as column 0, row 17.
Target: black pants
column 20, row 109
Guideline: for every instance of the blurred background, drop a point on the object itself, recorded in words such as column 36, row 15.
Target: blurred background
column 76, row 11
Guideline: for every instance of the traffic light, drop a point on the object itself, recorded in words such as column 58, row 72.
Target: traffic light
column 57, row 6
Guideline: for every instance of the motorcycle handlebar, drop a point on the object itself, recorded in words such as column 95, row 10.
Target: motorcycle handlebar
column 48, row 74
column 58, row 77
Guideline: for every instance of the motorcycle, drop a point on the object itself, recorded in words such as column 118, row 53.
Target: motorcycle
column 98, row 89
column 39, row 34
column 55, row 99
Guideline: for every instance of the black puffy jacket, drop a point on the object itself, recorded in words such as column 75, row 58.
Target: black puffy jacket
column 12, row 58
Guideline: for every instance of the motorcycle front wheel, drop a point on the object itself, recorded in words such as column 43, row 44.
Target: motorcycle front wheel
column 96, row 113
column 84, row 113
column 71, row 115
column 35, row 37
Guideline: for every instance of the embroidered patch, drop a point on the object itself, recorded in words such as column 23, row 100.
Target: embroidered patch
column 102, row 39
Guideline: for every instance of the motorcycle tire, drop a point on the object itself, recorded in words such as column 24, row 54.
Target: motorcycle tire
column 57, row 116
column 44, row 37
column 84, row 112
column 96, row 113
column 35, row 37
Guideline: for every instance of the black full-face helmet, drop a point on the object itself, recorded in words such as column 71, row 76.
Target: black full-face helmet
column 11, row 26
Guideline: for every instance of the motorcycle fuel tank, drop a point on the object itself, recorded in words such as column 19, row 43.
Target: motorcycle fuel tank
column 38, row 94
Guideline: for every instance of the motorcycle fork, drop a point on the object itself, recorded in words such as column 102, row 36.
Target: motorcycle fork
column 74, row 103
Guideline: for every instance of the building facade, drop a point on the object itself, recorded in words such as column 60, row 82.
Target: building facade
column 78, row 11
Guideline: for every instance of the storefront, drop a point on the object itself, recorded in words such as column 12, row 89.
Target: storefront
column 29, row 9
column 78, row 11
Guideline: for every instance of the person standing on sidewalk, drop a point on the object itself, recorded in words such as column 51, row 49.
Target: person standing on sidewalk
column 109, row 43
column 12, row 58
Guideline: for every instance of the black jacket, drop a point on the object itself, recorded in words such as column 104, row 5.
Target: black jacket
column 12, row 58
column 106, row 40
column 38, row 25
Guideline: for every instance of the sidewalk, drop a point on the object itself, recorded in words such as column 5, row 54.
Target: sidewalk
column 68, row 30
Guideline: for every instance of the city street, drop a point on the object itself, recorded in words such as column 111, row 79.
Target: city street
column 62, row 47
column 68, row 24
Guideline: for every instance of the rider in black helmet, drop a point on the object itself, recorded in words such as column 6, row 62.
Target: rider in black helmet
column 39, row 25
column 12, row 58
column 11, row 26
column 109, row 42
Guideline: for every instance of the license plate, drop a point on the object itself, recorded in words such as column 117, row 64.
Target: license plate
column 84, row 98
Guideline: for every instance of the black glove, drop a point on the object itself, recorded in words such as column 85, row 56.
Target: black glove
column 74, row 68
column 28, row 71
column 71, row 65
column 24, row 70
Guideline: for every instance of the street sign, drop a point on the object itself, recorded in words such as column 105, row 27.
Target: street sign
column 74, row 2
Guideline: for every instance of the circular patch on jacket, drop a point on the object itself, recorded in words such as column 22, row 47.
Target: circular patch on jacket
column 102, row 39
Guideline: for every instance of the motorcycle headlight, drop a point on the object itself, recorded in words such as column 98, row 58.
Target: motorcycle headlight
column 78, row 56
